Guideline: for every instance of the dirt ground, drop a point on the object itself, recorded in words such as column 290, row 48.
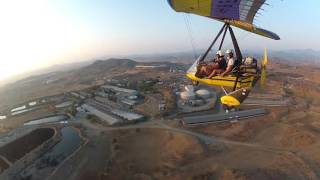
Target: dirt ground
column 151, row 153
column 281, row 145
column 161, row 154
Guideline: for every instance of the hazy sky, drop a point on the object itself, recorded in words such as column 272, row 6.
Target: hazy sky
column 39, row 33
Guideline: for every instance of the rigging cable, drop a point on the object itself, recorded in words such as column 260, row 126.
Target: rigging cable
column 192, row 41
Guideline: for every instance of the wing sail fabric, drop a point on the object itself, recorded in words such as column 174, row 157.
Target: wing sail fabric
column 239, row 13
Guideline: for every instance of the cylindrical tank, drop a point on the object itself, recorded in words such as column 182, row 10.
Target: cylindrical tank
column 189, row 88
column 187, row 95
column 203, row 93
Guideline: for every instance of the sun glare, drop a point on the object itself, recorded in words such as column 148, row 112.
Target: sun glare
column 33, row 35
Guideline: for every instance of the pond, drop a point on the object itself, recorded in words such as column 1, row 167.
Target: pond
column 70, row 141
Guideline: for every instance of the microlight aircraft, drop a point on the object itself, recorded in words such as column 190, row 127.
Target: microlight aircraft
column 232, row 13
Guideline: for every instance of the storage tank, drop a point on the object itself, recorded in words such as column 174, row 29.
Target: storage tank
column 189, row 88
column 197, row 102
column 187, row 95
column 203, row 93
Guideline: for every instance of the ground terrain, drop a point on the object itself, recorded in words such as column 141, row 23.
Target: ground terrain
column 284, row 144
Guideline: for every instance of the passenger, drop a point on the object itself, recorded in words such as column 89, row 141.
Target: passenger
column 230, row 62
column 205, row 69
column 220, row 65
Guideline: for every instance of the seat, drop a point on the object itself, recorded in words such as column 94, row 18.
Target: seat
column 245, row 80
column 249, row 66
column 226, row 81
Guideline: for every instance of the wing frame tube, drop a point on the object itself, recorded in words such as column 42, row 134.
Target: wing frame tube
column 213, row 42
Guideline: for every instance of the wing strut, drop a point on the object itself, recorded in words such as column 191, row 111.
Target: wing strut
column 224, row 35
column 213, row 42
column 239, row 57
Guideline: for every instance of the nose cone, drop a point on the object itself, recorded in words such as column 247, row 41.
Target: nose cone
column 229, row 101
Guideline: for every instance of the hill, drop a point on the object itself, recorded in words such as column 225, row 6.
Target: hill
column 53, row 83
column 102, row 66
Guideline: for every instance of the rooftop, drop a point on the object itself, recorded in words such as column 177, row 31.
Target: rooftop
column 130, row 116
column 118, row 89
column 129, row 102
column 209, row 118
column 104, row 116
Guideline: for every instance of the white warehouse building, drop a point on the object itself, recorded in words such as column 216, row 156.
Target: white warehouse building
column 124, row 91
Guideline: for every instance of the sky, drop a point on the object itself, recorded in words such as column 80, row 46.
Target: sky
column 39, row 33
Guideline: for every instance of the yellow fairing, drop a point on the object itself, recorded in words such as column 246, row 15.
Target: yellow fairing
column 229, row 101
column 227, row 81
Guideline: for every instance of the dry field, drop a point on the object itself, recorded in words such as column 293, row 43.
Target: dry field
column 282, row 145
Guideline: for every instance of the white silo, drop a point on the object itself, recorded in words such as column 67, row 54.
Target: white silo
column 203, row 93
column 189, row 88
column 187, row 95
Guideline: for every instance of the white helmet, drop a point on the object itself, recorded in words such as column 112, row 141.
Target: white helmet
column 229, row 51
column 219, row 53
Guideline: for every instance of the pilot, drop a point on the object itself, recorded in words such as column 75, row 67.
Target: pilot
column 230, row 62
column 206, row 69
column 220, row 67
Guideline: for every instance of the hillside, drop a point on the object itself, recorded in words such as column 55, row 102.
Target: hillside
column 58, row 82
column 101, row 66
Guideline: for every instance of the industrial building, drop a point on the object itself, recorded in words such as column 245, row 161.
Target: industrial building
column 151, row 66
column 129, row 116
column 123, row 91
column 192, row 100
column 101, row 114
column 195, row 97
column 128, row 102
column 222, row 117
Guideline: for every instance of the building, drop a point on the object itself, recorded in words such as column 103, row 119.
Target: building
column 123, row 91
column 162, row 106
column 101, row 94
column 152, row 66
column 75, row 94
column 222, row 117
column 84, row 95
column 101, row 114
column 187, row 95
column 129, row 116
column 128, row 102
